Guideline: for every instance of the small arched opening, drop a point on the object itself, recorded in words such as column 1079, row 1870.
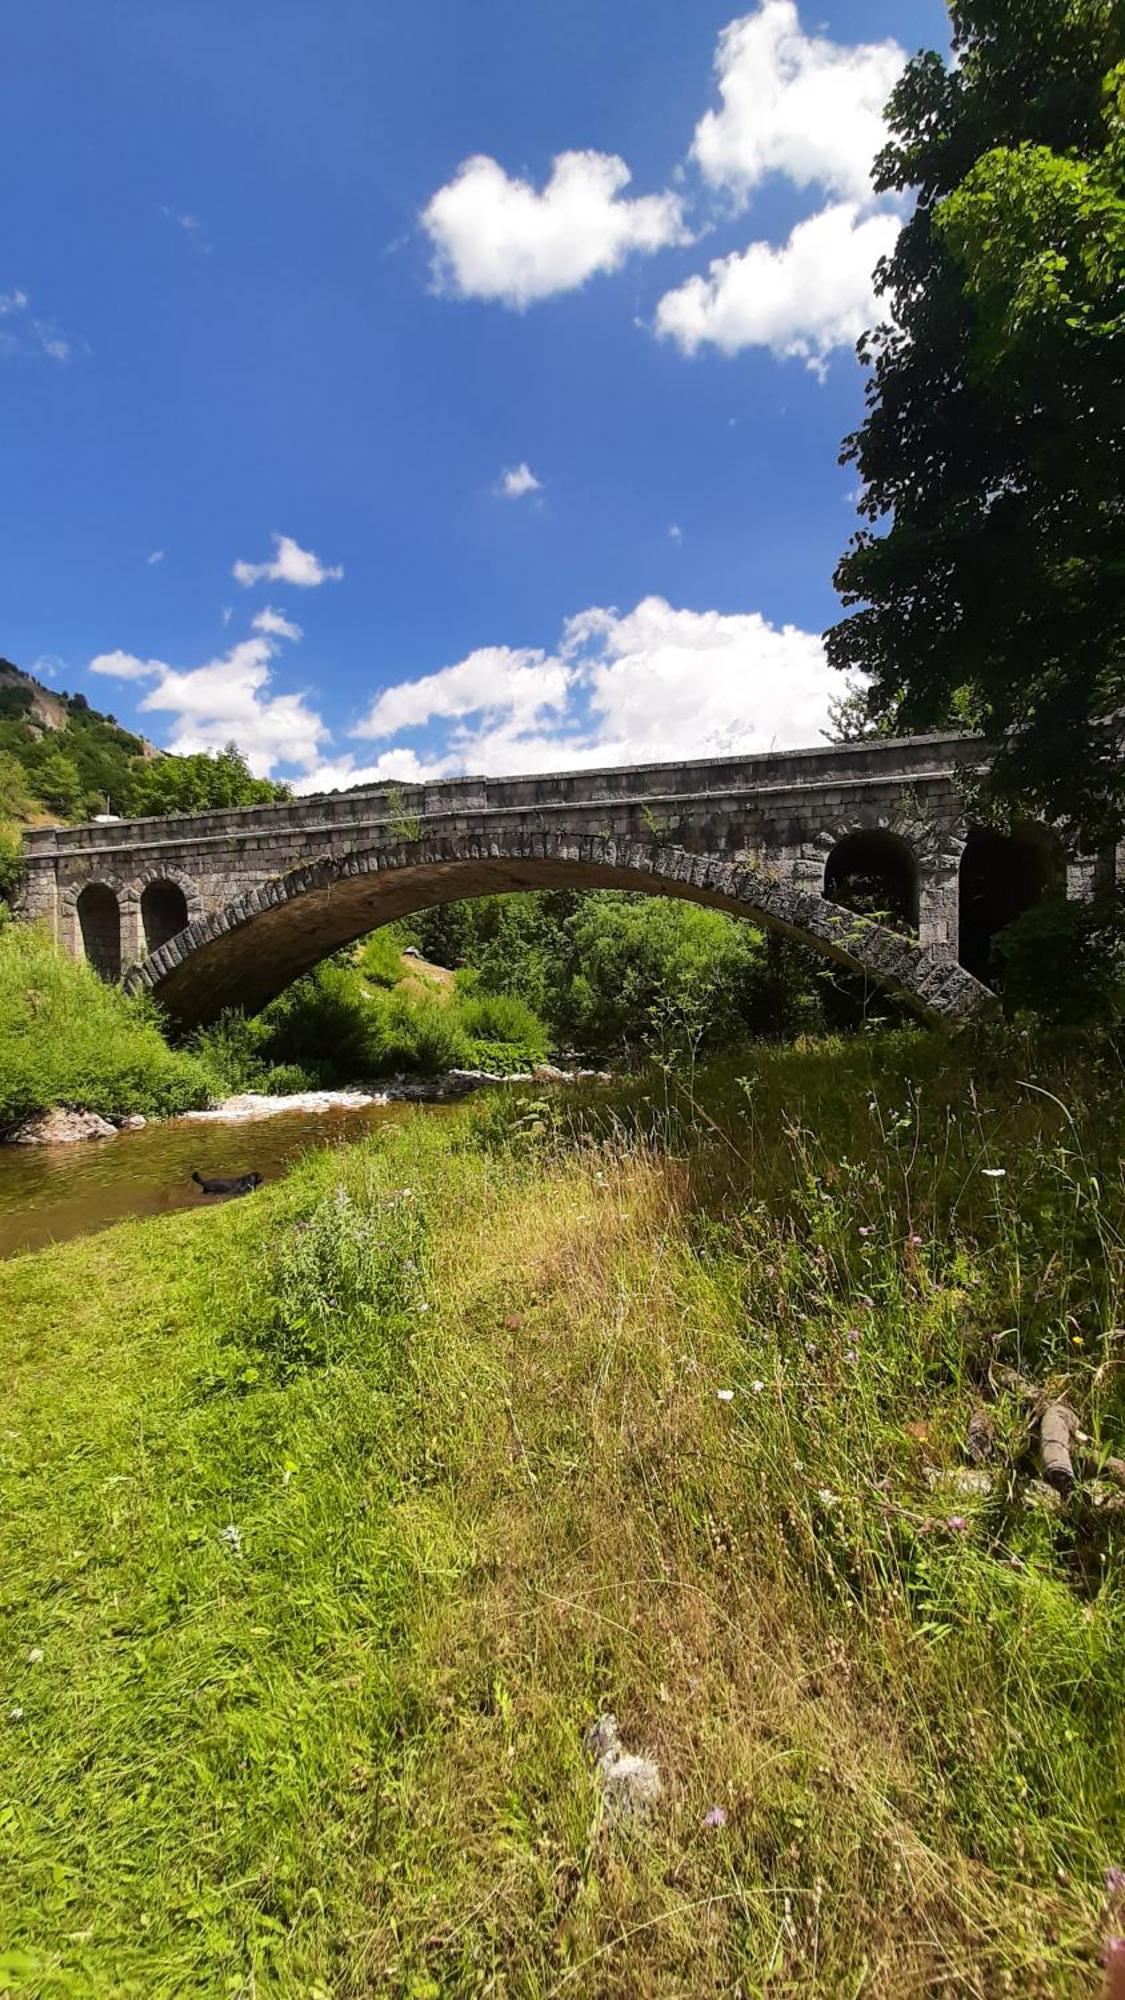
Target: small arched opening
column 874, row 873
column 1000, row 876
column 164, row 911
column 99, row 919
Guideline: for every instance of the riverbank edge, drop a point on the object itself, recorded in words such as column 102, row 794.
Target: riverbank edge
column 62, row 1125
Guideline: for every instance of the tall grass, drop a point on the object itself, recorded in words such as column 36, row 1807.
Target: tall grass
column 67, row 1038
column 330, row 1521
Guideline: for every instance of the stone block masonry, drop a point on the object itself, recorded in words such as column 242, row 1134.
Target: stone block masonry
column 265, row 891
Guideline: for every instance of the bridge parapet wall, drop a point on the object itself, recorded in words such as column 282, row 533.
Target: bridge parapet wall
column 786, row 810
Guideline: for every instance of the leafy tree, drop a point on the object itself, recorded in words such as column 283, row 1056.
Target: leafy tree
column 193, row 784
column 989, row 580
column 609, row 971
column 58, row 784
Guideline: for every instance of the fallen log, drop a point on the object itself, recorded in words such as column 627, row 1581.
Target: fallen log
column 1056, row 1429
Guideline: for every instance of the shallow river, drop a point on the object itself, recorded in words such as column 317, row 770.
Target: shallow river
column 51, row 1193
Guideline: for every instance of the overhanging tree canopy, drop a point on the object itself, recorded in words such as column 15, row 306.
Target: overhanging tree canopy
column 989, row 580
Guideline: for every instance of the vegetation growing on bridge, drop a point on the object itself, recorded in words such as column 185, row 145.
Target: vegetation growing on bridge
column 331, row 1520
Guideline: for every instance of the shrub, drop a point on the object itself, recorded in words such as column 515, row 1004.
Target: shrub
column 11, row 864
column 1065, row 961
column 230, row 1050
column 286, row 1080
column 322, row 1023
column 415, row 1032
column 380, row 959
column 346, row 1285
column 503, row 1017
column 67, row 1038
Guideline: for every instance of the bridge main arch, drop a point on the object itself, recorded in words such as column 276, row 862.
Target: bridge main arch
column 250, row 951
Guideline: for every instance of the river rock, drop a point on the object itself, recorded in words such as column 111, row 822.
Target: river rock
column 60, row 1127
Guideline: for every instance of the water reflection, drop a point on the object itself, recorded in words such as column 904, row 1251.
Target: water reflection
column 50, row 1193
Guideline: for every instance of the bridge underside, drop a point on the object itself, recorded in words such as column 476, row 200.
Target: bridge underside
column 244, row 955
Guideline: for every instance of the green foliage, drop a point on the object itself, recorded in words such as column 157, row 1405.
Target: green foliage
column 503, row 1018
column 611, row 973
column 59, row 785
column 231, row 1051
column 67, row 1038
column 199, row 783
column 11, row 864
column 380, row 958
column 329, row 1520
column 404, row 824
column 89, row 764
column 16, row 802
column 322, row 1024
column 346, row 1286
column 988, row 580
column 1065, row 961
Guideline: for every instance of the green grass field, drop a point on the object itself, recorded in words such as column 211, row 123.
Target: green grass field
column 332, row 1518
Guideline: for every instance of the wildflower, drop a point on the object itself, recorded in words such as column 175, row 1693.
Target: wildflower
column 811, row 1349
column 865, row 1299
column 757, row 1387
column 826, row 1497
column 1115, row 1880
column 916, row 1240
column 994, row 1173
column 853, row 1336
column 15, row 1714
column 35, row 1656
column 1076, row 1340
column 864, row 1230
column 957, row 1524
column 232, row 1538
column 725, row 1395
column 715, row 1816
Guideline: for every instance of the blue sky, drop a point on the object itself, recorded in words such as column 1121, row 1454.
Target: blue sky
column 343, row 321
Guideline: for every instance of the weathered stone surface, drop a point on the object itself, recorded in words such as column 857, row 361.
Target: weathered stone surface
column 60, row 1127
column 270, row 889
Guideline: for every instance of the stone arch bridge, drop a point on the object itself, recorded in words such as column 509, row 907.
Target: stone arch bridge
column 225, row 908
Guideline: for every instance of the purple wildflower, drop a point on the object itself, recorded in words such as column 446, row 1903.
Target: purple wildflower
column 957, row 1523
column 1115, row 1880
column 715, row 1817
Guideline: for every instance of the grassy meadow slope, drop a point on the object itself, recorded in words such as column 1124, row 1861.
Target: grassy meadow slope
column 331, row 1519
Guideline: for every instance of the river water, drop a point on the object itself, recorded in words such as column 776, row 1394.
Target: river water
column 50, row 1193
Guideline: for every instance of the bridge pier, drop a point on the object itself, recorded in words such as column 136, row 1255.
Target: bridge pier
column 938, row 905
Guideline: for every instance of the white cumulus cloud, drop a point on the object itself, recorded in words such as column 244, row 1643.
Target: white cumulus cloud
column 653, row 684
column 275, row 624
column 811, row 294
column 518, row 480
column 498, row 238
column 291, row 564
column 795, row 104
column 510, row 684
column 225, row 700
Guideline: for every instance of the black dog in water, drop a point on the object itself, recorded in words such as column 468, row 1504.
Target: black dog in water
column 241, row 1184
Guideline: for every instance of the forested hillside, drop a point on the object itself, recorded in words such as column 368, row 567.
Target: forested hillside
column 61, row 759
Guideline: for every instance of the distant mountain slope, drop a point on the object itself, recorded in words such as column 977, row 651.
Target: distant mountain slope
column 60, row 759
